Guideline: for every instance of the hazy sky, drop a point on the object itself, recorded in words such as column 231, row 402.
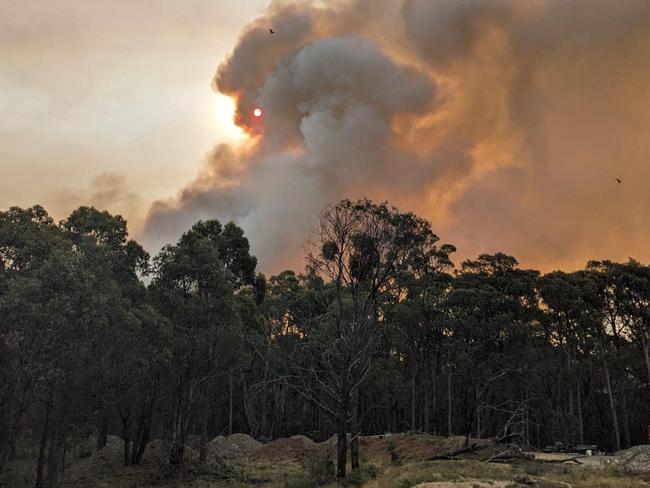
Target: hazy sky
column 109, row 101
column 503, row 122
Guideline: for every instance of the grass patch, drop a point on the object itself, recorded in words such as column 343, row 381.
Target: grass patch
column 608, row 477
column 411, row 474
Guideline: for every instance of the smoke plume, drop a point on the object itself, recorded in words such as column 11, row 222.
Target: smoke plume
column 505, row 123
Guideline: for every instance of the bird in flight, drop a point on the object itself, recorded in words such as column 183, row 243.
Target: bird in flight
column 271, row 31
column 618, row 179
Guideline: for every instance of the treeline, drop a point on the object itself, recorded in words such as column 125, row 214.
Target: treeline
column 381, row 333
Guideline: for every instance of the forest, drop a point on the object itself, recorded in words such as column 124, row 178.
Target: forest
column 381, row 332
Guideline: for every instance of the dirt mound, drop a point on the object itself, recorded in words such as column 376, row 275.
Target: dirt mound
column 299, row 449
column 416, row 447
column 156, row 453
column 304, row 439
column 110, row 457
column 635, row 460
column 232, row 446
column 420, row 447
column 194, row 441
column 452, row 444
column 106, row 460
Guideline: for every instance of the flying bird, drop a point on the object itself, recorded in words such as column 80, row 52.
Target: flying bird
column 618, row 179
column 271, row 31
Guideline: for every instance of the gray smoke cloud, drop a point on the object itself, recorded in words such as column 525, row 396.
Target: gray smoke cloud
column 505, row 123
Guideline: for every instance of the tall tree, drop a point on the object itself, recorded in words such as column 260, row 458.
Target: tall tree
column 194, row 286
column 361, row 248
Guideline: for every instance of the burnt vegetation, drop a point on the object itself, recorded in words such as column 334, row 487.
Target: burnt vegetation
column 381, row 333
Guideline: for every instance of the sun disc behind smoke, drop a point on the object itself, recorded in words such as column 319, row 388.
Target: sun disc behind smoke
column 225, row 109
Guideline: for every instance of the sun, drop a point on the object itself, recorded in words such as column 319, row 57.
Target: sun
column 225, row 114
column 257, row 112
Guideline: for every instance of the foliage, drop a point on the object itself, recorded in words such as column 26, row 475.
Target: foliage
column 379, row 334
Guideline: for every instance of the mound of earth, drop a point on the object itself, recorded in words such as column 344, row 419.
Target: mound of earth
column 304, row 439
column 156, row 453
column 235, row 445
column 100, row 463
column 107, row 459
column 420, row 447
column 299, row 449
column 635, row 460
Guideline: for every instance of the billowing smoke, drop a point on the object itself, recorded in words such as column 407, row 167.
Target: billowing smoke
column 505, row 123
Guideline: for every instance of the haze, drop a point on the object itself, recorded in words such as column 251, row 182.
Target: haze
column 109, row 102
column 504, row 123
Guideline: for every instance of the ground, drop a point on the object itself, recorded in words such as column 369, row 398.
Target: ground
column 298, row 462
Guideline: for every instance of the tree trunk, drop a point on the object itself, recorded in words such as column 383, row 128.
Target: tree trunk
column 40, row 467
column 125, row 416
column 342, row 418
column 612, row 406
column 230, row 404
column 433, row 409
column 449, row 403
column 426, row 407
column 54, row 454
column 413, row 398
column 177, row 448
column 581, row 427
column 13, row 424
column 143, row 429
column 645, row 343
column 627, row 438
column 203, row 449
column 354, row 430
column 102, row 435
column 341, row 449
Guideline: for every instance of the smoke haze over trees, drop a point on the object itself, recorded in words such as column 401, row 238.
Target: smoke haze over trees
column 381, row 333
column 489, row 118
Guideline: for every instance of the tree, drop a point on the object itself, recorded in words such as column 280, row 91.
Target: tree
column 194, row 288
column 493, row 310
column 360, row 248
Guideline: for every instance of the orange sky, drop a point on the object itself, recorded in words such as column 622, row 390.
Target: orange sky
column 505, row 123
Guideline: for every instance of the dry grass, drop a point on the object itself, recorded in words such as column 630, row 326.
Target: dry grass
column 292, row 466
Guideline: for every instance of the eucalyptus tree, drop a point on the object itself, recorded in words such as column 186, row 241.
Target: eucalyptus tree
column 360, row 249
column 194, row 285
column 131, row 351
column 494, row 317
column 418, row 320
column 573, row 312
column 28, row 240
column 625, row 333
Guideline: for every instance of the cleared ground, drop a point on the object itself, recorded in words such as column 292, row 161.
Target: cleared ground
column 396, row 461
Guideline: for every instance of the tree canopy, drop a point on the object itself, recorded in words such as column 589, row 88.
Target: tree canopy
column 381, row 332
